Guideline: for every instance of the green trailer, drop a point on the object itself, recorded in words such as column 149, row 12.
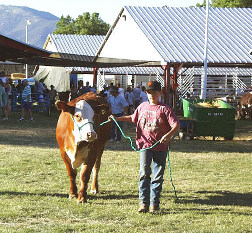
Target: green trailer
column 210, row 121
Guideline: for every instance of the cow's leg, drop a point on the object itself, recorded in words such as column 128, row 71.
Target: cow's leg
column 72, row 175
column 84, row 178
column 94, row 187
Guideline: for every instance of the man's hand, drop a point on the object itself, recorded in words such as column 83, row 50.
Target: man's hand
column 165, row 139
column 111, row 118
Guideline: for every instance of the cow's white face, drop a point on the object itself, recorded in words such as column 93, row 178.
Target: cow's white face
column 83, row 123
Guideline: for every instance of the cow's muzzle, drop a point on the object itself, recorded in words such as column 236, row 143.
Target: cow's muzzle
column 91, row 136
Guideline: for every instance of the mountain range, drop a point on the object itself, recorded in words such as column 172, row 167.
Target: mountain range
column 13, row 21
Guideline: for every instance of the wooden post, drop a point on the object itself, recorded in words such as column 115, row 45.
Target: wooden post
column 95, row 71
column 167, row 84
column 176, row 69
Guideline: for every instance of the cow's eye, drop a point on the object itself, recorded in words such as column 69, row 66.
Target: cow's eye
column 78, row 117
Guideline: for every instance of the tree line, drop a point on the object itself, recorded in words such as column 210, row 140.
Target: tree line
column 92, row 24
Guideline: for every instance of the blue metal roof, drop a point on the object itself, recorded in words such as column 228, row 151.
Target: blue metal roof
column 219, row 71
column 178, row 33
column 77, row 44
column 89, row 45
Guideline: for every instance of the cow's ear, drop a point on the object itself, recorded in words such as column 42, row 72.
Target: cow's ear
column 62, row 105
column 103, row 109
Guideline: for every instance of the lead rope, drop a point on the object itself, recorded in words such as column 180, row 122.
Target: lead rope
column 131, row 143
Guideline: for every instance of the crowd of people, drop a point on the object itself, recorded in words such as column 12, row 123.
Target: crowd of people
column 123, row 102
column 21, row 92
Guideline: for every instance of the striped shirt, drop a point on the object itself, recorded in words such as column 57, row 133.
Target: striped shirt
column 26, row 93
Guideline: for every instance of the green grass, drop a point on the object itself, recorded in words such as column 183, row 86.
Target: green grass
column 212, row 178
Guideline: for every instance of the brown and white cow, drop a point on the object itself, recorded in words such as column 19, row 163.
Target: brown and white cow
column 244, row 108
column 81, row 140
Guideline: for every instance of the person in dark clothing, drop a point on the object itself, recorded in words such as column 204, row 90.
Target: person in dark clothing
column 85, row 89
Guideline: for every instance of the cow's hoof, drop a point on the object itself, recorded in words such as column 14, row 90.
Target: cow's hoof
column 93, row 191
column 72, row 196
column 81, row 200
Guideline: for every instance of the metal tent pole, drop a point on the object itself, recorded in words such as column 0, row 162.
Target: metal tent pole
column 204, row 78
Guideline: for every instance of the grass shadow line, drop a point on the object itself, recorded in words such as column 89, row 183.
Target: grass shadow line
column 102, row 196
column 12, row 193
column 219, row 198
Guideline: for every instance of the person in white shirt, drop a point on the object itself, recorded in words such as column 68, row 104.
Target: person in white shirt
column 130, row 100
column 26, row 100
column 136, row 92
column 119, row 107
column 121, row 90
column 143, row 95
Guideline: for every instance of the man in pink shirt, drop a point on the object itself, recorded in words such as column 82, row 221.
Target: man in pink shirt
column 154, row 121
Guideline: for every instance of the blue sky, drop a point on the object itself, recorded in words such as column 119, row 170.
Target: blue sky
column 108, row 9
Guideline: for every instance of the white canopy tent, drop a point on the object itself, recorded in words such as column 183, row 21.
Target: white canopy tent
column 56, row 76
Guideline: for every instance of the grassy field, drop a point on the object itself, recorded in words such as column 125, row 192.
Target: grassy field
column 213, row 181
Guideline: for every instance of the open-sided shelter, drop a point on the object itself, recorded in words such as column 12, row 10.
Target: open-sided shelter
column 174, row 37
column 89, row 45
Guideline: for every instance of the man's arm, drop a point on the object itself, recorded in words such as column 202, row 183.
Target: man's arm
column 125, row 110
column 122, row 118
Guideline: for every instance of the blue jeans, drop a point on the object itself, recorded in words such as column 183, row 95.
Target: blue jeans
column 115, row 131
column 150, row 190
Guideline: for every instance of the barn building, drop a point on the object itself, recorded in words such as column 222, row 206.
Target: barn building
column 174, row 39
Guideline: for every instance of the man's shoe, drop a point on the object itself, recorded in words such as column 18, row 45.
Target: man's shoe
column 21, row 119
column 154, row 209
column 111, row 140
column 143, row 208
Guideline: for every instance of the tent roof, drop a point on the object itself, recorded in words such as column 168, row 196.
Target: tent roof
column 11, row 50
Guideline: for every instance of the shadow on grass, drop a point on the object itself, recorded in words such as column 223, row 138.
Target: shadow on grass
column 220, row 198
column 41, row 133
column 33, row 141
column 102, row 196
column 194, row 146
column 11, row 193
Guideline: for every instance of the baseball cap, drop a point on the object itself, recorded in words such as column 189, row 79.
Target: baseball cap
column 153, row 85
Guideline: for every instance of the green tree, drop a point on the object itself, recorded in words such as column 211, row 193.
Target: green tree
column 85, row 24
column 231, row 3
column 227, row 3
column 201, row 5
column 65, row 26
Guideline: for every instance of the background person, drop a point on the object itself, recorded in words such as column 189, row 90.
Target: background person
column 3, row 101
column 155, row 121
column 26, row 100
column 85, row 89
column 73, row 92
column 52, row 94
column 19, row 89
column 120, row 89
column 119, row 107
column 130, row 100
column 94, row 89
column 136, row 92
column 143, row 95
column 3, row 76
column 40, row 90
column 8, row 91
